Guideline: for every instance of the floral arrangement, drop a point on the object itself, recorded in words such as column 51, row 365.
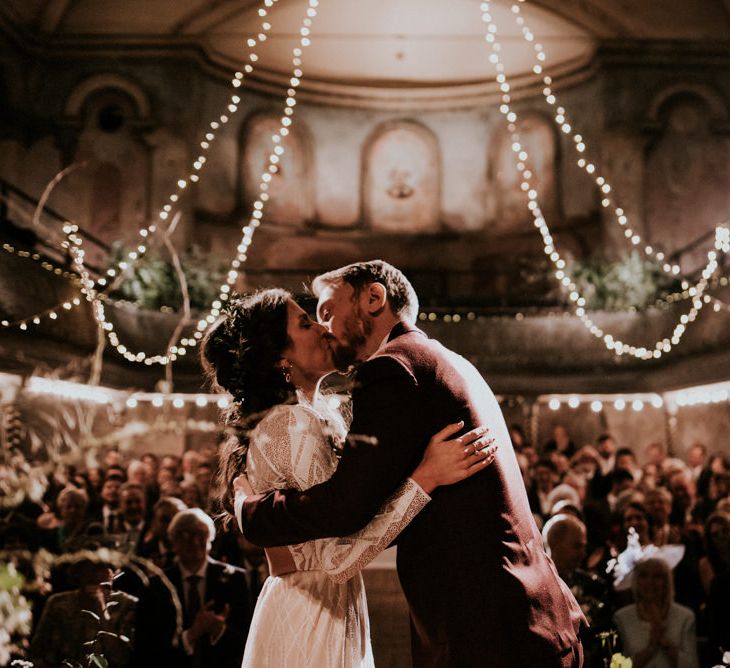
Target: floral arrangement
column 610, row 657
column 629, row 283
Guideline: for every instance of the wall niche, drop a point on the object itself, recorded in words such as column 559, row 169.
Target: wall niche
column 401, row 189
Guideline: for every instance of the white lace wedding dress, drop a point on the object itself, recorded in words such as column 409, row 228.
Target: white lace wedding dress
column 316, row 617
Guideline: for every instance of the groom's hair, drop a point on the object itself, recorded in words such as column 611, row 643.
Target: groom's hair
column 401, row 296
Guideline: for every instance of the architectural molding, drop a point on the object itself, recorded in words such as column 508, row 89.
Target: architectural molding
column 97, row 82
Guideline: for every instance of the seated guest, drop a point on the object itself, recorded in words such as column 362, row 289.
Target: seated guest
column 132, row 506
column 634, row 514
column 606, row 446
column 696, row 457
column 683, row 499
column 688, row 587
column 544, row 480
column 587, row 464
column 214, row 598
column 204, row 479
column 66, row 531
column 599, row 511
column 658, row 503
column 67, row 633
column 152, row 464
column 655, row 631
column 719, row 489
column 564, row 536
column 655, row 454
column 156, row 543
column 190, row 494
column 717, row 549
column 560, row 442
column 626, row 460
column 108, row 514
column 718, row 462
column 191, row 459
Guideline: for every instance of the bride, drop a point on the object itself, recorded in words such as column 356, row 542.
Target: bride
column 271, row 356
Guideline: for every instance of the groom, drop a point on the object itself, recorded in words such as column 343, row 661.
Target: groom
column 481, row 590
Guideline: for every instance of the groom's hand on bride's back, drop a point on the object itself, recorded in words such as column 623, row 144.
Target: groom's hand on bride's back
column 450, row 460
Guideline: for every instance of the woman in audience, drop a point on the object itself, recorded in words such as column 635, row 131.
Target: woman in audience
column 655, row 631
column 65, row 531
column 634, row 514
column 717, row 549
column 658, row 502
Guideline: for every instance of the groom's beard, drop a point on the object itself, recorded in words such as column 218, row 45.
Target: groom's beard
column 356, row 332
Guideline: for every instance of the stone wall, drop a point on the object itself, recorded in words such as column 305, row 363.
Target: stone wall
column 362, row 182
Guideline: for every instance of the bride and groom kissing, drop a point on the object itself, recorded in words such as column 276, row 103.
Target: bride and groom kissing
column 480, row 588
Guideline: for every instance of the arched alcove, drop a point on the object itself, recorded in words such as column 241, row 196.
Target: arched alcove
column 687, row 167
column 110, row 192
column 290, row 190
column 401, row 186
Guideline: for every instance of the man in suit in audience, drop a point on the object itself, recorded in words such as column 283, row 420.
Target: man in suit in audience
column 214, row 601
column 133, row 510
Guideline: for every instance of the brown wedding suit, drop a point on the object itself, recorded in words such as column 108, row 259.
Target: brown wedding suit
column 481, row 590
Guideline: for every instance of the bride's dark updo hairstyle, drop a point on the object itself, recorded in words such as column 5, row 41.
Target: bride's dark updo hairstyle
column 240, row 354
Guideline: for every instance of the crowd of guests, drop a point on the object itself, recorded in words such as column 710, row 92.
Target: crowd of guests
column 185, row 592
column 587, row 500
column 139, row 571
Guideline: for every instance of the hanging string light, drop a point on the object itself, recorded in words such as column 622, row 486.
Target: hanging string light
column 114, row 274
column 257, row 209
column 232, row 106
column 722, row 236
column 53, row 312
column 248, row 230
column 45, row 264
column 579, row 145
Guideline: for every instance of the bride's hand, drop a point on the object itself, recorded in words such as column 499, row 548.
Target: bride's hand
column 447, row 461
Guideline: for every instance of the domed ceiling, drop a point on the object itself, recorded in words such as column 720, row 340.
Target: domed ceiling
column 379, row 50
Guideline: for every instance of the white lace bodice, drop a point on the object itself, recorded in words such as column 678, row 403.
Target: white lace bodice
column 293, row 447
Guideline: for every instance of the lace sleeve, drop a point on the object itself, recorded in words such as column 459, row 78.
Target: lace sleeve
column 288, row 450
column 342, row 558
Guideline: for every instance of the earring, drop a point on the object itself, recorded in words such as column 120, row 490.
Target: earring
column 287, row 371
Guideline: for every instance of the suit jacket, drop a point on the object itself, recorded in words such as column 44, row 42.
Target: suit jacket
column 63, row 630
column 481, row 590
column 158, row 643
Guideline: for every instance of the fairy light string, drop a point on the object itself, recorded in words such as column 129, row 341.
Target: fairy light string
column 580, row 146
column 722, row 236
column 248, row 230
column 696, row 293
column 114, row 273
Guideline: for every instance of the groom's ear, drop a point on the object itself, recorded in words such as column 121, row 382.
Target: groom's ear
column 376, row 298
